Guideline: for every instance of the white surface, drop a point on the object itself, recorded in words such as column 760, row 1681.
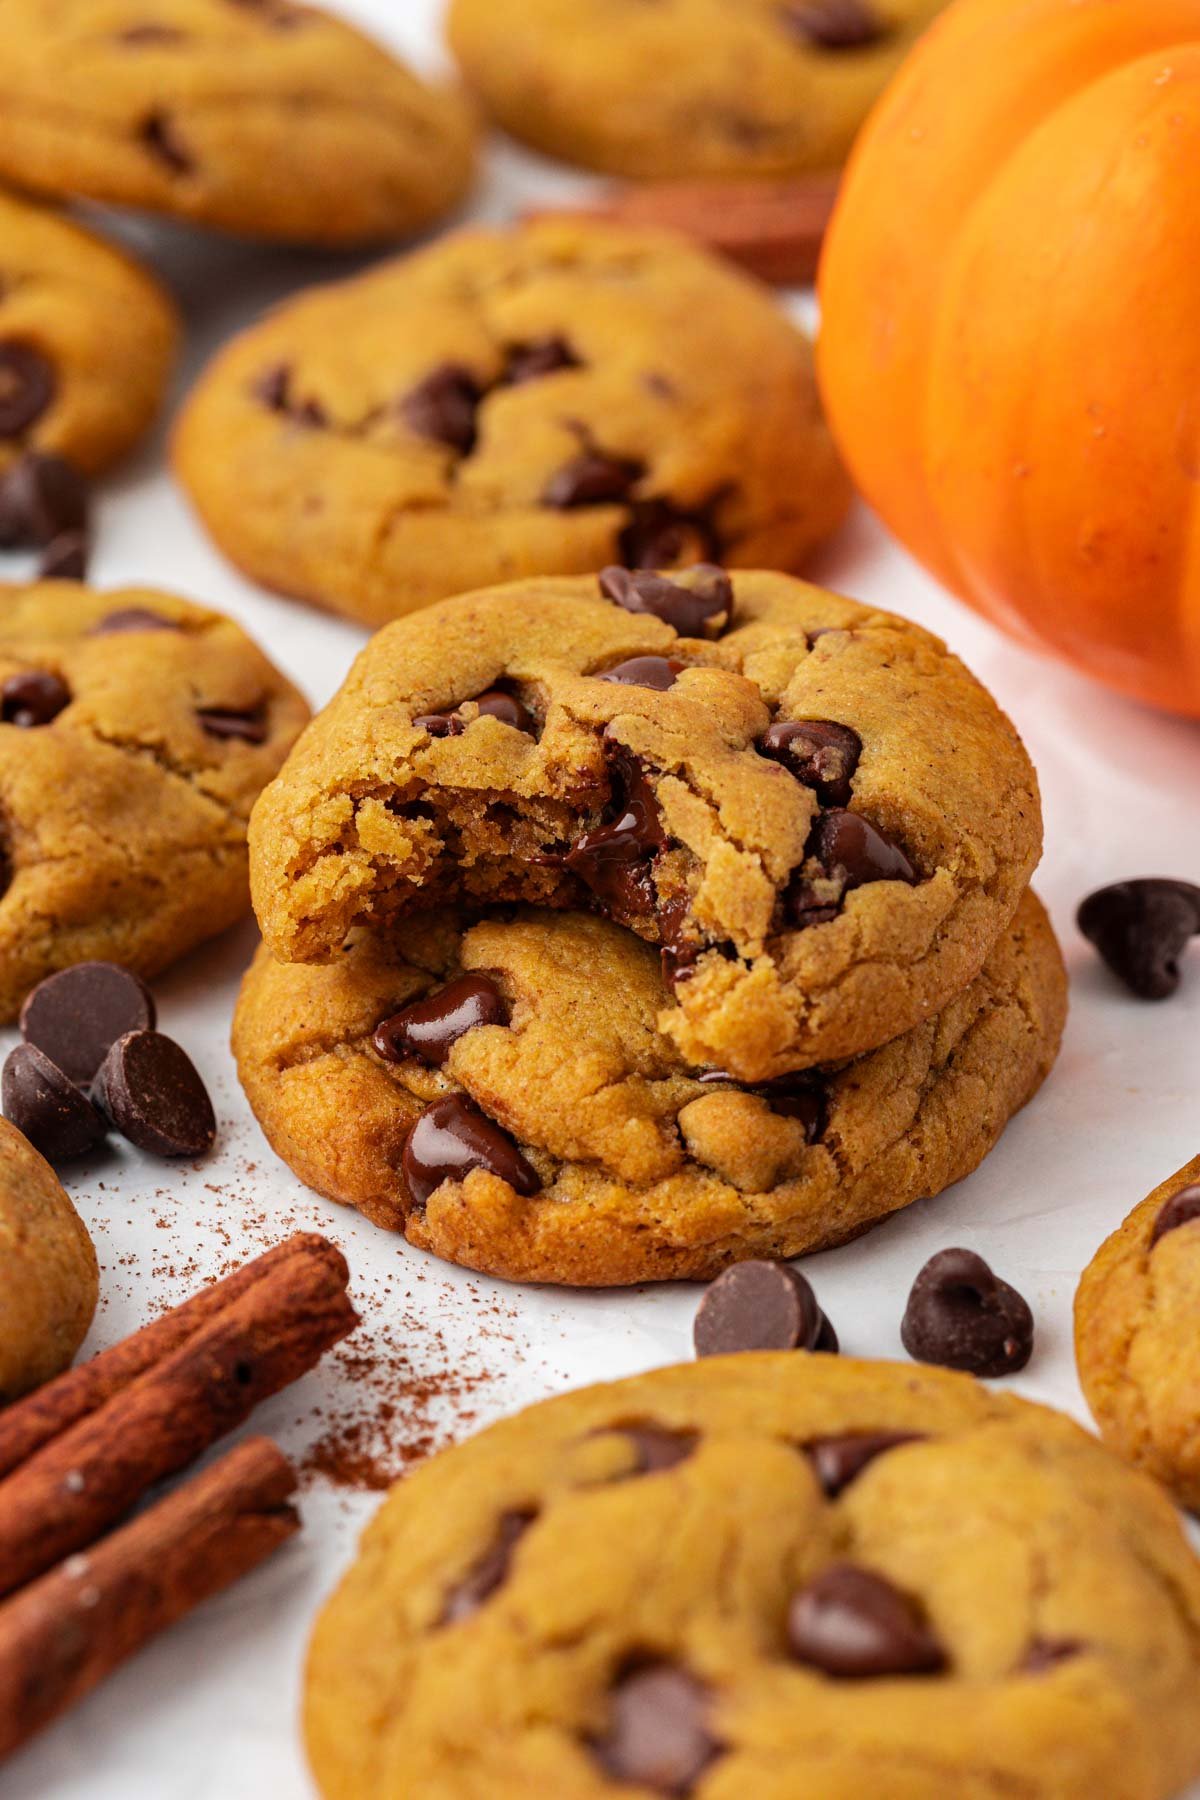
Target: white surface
column 209, row 1712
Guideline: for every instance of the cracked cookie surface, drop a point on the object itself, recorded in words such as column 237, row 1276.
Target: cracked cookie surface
column 587, row 1152
column 763, row 87
column 48, row 1274
column 539, row 400
column 136, row 731
column 814, row 898
column 259, row 116
column 1136, row 1344
column 612, row 1592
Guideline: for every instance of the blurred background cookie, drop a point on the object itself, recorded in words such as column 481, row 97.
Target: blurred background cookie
column 48, row 1275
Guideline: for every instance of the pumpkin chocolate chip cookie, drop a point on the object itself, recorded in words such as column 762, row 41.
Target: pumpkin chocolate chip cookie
column 541, row 400
column 1135, row 1335
column 783, row 1576
column 259, row 116
column 501, row 1093
column 136, row 732
column 813, row 808
column 763, row 87
column 48, row 1276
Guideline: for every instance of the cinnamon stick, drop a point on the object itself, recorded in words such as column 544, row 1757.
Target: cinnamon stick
column 80, row 1482
column 49, row 1410
column 63, row 1635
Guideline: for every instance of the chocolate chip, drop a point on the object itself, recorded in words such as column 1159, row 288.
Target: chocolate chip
column 274, row 388
column 132, row 618
column 537, row 358
column 1141, row 929
column 591, row 479
column 41, row 497
column 818, row 752
column 45, row 1104
column 494, row 703
column 231, row 726
column 701, row 609
column 490, row 1571
column 833, row 24
column 827, row 1339
column 854, row 1625
column 429, row 1028
column 962, row 1316
column 838, row 1461
column 444, row 407
column 847, row 844
column 1048, row 1653
column 616, row 858
column 33, row 698
column 66, row 558
column 161, row 137
column 1179, row 1210
column 657, row 1447
column 658, row 534
column 28, row 384
column 800, row 1095
column 151, row 1091
column 451, row 1138
column 758, row 1306
column 77, row 1015
column 657, row 1735
column 658, row 672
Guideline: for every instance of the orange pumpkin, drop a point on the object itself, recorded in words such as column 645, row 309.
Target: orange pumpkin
column 1010, row 348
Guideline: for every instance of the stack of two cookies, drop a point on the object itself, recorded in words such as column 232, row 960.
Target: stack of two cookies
column 620, row 927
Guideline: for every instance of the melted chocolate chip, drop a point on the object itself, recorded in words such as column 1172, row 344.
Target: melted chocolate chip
column 659, row 534
column 962, row 1316
column 702, row 608
column 854, row 1625
column 833, row 24
column 537, row 358
column 495, row 703
column 591, row 479
column 429, row 1028
column 59, row 1121
column 66, row 558
column 490, row 1571
column 41, row 497
column 451, row 1138
column 847, row 844
column 657, row 1447
column 150, row 1089
column 1048, row 1653
column 1179, row 1210
column 28, row 384
column 274, row 389
column 231, row 726
column 33, row 698
column 444, row 407
column 160, row 135
column 132, row 618
column 658, row 672
column 616, row 858
column 818, row 752
column 800, row 1095
column 657, row 1735
column 758, row 1306
column 838, row 1461
column 1141, row 929
column 75, row 1016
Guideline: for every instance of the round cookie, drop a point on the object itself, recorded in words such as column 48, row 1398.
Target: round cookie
column 730, row 1579
column 817, row 891
column 87, row 341
column 48, row 1275
column 259, row 116
column 538, row 1125
column 539, row 400
column 1136, row 1345
column 136, row 731
column 760, row 87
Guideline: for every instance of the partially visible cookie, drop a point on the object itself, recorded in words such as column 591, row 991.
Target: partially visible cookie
column 48, row 1274
column 87, row 340
column 539, row 400
column 136, row 731
column 756, row 87
column 1137, row 1345
column 765, row 1577
column 530, row 1120
column 817, row 812
column 259, row 116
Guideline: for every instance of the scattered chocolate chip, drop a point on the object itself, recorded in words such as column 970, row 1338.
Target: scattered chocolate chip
column 827, row 1339
column 818, row 752
column 657, row 1447
column 66, row 558
column 658, row 672
column 151, row 1091
column 539, row 357
column 1048, row 1653
column 800, row 1095
column 132, row 618
column 451, row 1138
column 658, row 534
column 75, row 1016
column 33, row 698
column 847, row 844
column 1141, row 929
column 429, row 1028
column 616, row 858
column 758, row 1306
column 591, row 479
column 657, row 1734
column 28, row 384
column 490, row 1571
column 444, row 407
column 41, row 497
column 854, row 1625
column 833, row 24
column 230, row 726
column 702, row 608
column 494, row 703
column 161, row 137
column 1179, row 1210
column 962, row 1316
column 838, row 1461
column 45, row 1104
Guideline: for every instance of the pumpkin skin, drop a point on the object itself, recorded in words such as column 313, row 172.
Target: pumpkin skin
column 1010, row 344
